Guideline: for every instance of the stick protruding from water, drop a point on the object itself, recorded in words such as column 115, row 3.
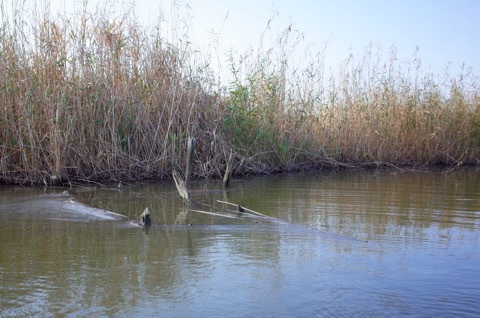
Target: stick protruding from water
column 182, row 185
column 144, row 218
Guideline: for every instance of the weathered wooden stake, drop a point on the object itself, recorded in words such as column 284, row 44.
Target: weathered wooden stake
column 182, row 186
column 190, row 150
column 228, row 171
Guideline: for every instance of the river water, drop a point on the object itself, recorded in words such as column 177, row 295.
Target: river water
column 363, row 243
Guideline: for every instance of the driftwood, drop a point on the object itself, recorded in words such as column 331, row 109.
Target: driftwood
column 216, row 214
column 182, row 188
column 243, row 213
column 182, row 185
column 144, row 218
column 243, row 209
column 240, row 212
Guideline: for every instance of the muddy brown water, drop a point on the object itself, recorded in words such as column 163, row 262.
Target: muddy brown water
column 64, row 254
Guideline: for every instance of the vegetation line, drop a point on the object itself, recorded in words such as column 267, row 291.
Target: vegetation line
column 89, row 97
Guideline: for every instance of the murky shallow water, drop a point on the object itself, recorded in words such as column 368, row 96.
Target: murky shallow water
column 64, row 255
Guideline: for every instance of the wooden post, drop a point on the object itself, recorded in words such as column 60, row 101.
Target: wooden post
column 190, row 150
column 182, row 186
column 228, row 171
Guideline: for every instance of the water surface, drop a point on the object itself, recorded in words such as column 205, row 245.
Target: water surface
column 66, row 255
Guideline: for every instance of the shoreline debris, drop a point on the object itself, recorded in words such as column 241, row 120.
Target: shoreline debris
column 144, row 218
column 182, row 185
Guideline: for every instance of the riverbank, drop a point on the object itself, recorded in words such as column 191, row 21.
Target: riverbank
column 91, row 98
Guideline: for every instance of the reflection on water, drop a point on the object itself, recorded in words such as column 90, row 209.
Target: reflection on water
column 421, row 257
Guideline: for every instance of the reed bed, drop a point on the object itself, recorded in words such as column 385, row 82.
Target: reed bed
column 90, row 97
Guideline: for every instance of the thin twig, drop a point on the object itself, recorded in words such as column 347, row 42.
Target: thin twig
column 234, row 204
column 216, row 214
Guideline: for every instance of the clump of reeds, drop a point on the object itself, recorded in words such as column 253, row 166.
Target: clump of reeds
column 390, row 115
column 97, row 98
column 369, row 112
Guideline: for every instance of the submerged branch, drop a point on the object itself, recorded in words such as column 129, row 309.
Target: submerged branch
column 182, row 188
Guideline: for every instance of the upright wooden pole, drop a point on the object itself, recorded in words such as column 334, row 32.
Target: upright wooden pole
column 190, row 150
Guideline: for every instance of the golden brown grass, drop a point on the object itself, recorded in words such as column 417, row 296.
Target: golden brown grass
column 92, row 98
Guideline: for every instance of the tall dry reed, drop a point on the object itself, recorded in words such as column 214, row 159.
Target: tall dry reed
column 90, row 97
column 96, row 98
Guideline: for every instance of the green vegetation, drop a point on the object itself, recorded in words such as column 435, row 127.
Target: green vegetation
column 90, row 98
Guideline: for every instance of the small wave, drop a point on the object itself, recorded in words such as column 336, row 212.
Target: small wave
column 60, row 206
